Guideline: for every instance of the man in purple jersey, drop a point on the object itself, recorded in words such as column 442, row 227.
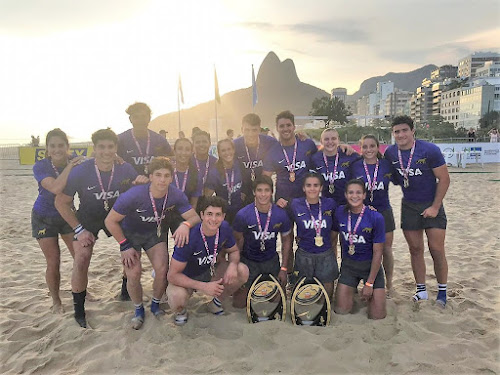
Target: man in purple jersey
column 98, row 183
column 193, row 266
column 251, row 150
column 417, row 165
column 138, row 145
column 136, row 223
column 256, row 229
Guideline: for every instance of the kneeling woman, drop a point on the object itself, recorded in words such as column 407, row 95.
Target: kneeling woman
column 316, row 255
column 362, row 239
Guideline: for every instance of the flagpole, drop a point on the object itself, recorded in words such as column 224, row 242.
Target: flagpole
column 216, row 98
column 179, row 108
column 216, row 123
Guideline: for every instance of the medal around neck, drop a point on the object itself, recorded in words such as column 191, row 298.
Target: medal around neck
column 266, row 300
column 310, row 305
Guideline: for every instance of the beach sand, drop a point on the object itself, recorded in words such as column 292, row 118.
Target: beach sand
column 463, row 338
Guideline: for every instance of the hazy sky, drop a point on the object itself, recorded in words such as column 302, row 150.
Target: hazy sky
column 78, row 64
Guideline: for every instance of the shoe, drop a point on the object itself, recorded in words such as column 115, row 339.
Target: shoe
column 420, row 296
column 156, row 309
column 214, row 308
column 81, row 321
column 181, row 318
column 137, row 322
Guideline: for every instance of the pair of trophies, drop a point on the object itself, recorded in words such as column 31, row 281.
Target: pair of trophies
column 309, row 303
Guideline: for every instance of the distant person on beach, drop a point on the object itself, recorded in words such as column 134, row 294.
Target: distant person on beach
column 35, row 142
column 230, row 134
column 471, row 135
column 181, row 134
column 98, row 183
column 493, row 133
column 135, row 221
column 376, row 172
column 362, row 237
column 194, row 266
column 256, row 229
column 201, row 159
column 163, row 133
column 420, row 169
column 194, row 131
column 139, row 145
column 52, row 174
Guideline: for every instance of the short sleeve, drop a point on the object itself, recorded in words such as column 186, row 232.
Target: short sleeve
column 73, row 181
column 239, row 222
column 435, row 156
column 181, row 254
column 122, row 204
column 378, row 228
column 212, row 178
column 40, row 171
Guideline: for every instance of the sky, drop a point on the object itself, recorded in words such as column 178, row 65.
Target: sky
column 77, row 65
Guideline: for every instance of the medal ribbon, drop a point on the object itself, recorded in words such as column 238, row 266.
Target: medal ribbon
column 407, row 169
column 291, row 167
column 139, row 146
column 206, row 168
column 229, row 184
column 268, row 220
column 216, row 245
column 158, row 219
column 256, row 154
column 184, row 181
column 54, row 168
column 360, row 217
column 99, row 179
column 317, row 227
column 334, row 166
column 371, row 184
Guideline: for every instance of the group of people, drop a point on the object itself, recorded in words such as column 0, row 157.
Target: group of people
column 222, row 218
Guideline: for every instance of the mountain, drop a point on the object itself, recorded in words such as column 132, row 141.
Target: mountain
column 408, row 81
column 278, row 88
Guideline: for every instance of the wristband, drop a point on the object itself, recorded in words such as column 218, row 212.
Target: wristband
column 125, row 245
column 369, row 284
column 78, row 229
column 186, row 223
column 122, row 241
column 284, row 269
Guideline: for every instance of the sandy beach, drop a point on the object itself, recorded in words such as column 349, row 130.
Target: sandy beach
column 463, row 338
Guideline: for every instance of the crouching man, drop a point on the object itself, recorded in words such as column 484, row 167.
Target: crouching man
column 193, row 266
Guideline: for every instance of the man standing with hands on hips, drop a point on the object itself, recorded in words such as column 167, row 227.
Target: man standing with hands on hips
column 421, row 171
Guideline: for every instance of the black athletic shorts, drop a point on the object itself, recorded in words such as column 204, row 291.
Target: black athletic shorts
column 411, row 218
column 390, row 224
column 47, row 227
column 352, row 271
column 271, row 266
column 323, row 266
column 92, row 224
column 144, row 241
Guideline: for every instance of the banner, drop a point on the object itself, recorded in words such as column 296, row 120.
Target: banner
column 30, row 155
column 454, row 153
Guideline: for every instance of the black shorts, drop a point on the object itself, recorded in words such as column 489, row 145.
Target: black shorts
column 390, row 224
column 47, row 227
column 204, row 277
column 92, row 224
column 271, row 266
column 145, row 241
column 352, row 271
column 323, row 266
column 411, row 218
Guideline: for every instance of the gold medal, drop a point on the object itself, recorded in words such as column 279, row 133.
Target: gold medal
column 318, row 241
column 351, row 250
column 212, row 270
column 106, row 205
column 253, row 175
column 406, row 182
column 262, row 246
column 331, row 188
column 292, row 177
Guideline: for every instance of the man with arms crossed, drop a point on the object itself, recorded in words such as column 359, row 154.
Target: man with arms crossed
column 98, row 183
column 141, row 211
column 417, row 166
column 193, row 265
column 256, row 229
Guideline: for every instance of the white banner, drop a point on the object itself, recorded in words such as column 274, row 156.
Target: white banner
column 466, row 153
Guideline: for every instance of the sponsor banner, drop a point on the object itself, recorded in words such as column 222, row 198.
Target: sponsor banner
column 30, row 155
column 460, row 153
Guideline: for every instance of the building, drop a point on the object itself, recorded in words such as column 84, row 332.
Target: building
column 421, row 104
column 340, row 93
column 481, row 96
column 383, row 90
column 450, row 105
column 443, row 72
column 489, row 69
column 467, row 66
column 396, row 102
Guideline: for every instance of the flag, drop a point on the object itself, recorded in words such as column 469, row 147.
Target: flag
column 255, row 98
column 217, row 94
column 180, row 90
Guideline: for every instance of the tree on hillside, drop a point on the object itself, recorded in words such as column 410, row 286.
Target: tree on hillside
column 490, row 120
column 334, row 108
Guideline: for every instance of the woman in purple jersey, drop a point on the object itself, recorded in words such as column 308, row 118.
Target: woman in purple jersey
column 362, row 241
column 52, row 174
column 376, row 170
column 226, row 180
column 185, row 174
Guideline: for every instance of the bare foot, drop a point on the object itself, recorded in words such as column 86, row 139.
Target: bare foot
column 57, row 309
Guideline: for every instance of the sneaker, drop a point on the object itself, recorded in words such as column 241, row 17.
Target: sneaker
column 137, row 322
column 156, row 309
column 181, row 318
column 214, row 308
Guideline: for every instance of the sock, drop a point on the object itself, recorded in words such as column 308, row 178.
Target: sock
column 421, row 293
column 442, row 293
column 79, row 303
column 139, row 310
column 217, row 302
column 124, row 285
column 155, row 305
